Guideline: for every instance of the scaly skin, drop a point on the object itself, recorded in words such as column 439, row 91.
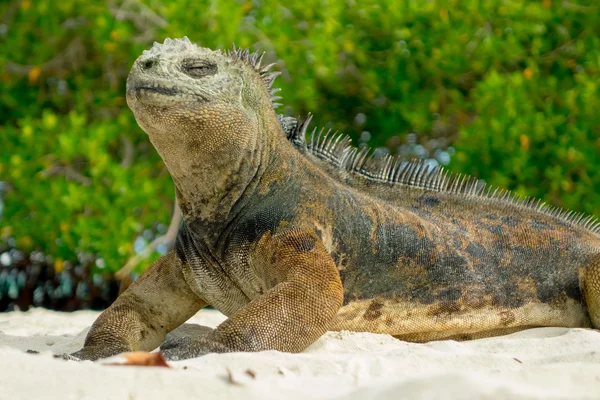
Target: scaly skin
column 288, row 245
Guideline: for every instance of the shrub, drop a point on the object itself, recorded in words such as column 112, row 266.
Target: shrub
column 511, row 85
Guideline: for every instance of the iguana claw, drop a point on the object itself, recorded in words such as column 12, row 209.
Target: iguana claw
column 68, row 357
column 186, row 347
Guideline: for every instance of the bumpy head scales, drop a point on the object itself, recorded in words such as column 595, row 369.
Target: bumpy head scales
column 174, row 67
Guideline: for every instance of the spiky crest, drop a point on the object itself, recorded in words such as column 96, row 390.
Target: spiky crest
column 337, row 149
column 254, row 60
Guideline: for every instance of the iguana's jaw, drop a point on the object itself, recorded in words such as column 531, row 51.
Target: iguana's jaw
column 164, row 106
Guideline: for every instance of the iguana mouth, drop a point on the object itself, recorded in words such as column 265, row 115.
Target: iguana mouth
column 156, row 89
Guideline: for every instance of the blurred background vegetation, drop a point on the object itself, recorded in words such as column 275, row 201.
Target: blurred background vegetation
column 505, row 90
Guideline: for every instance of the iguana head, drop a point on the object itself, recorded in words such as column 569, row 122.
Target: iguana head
column 181, row 92
column 205, row 111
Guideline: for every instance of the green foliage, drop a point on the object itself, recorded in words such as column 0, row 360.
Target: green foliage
column 514, row 86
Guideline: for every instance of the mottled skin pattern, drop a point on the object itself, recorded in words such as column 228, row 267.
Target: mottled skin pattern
column 288, row 247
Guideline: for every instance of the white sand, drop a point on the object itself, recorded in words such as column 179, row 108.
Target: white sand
column 544, row 363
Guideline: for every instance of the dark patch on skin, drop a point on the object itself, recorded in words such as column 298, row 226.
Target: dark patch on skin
column 510, row 220
column 395, row 240
column 449, row 268
column 428, row 200
column 539, row 225
column 189, row 248
column 573, row 290
column 370, row 273
column 554, row 275
column 231, row 184
column 459, row 225
column 451, row 294
column 444, row 308
column 268, row 214
column 473, row 299
column 495, row 229
column 462, row 337
column 545, row 292
column 320, row 236
column 496, row 279
column 182, row 241
column 507, row 318
column 509, row 296
column 374, row 311
column 477, row 251
column 423, row 295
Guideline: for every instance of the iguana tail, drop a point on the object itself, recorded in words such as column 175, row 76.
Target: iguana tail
column 591, row 290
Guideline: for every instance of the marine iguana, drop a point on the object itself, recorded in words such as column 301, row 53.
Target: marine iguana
column 290, row 237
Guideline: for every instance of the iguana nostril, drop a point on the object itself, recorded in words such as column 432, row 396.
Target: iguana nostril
column 148, row 64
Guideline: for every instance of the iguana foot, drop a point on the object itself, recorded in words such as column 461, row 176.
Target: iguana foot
column 95, row 352
column 67, row 357
column 187, row 347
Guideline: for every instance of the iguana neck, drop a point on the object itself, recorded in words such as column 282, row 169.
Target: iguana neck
column 217, row 179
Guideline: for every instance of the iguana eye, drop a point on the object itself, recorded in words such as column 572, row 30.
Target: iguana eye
column 197, row 69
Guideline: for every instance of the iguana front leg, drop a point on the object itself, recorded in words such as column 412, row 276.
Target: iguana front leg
column 306, row 294
column 157, row 302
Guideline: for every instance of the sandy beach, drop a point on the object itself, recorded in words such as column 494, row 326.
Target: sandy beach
column 542, row 363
